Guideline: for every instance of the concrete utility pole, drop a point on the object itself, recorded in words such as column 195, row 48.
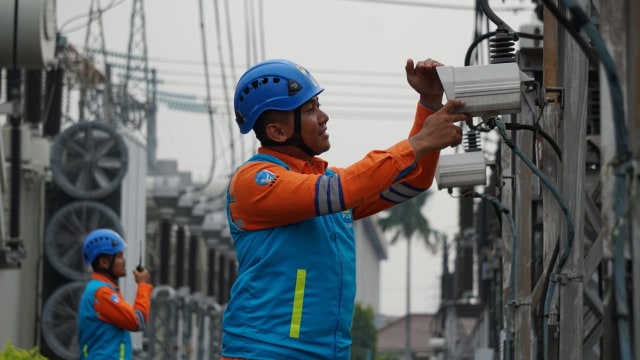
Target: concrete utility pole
column 521, row 305
column 574, row 71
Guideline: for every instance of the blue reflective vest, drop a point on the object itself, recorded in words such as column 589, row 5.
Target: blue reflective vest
column 295, row 290
column 99, row 340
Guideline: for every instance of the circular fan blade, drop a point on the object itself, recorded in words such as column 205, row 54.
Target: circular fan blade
column 89, row 160
column 67, row 230
column 60, row 320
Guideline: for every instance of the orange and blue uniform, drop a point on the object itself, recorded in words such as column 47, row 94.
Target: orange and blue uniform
column 292, row 227
column 105, row 319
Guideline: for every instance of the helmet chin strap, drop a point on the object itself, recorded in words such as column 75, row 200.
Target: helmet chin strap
column 109, row 271
column 295, row 139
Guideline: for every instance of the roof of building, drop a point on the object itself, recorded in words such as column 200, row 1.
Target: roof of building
column 391, row 337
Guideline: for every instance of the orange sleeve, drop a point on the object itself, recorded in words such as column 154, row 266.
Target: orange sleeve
column 264, row 195
column 113, row 309
column 288, row 197
column 429, row 162
column 411, row 184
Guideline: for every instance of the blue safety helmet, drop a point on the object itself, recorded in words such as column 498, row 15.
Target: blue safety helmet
column 101, row 241
column 272, row 85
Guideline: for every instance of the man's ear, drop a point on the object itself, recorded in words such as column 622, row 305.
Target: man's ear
column 278, row 131
column 275, row 132
column 103, row 262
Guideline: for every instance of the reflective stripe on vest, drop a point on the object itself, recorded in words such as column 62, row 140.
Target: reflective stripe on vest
column 298, row 299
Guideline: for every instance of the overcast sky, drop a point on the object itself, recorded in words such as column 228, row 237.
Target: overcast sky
column 355, row 49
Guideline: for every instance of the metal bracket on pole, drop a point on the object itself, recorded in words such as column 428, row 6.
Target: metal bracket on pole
column 520, row 302
column 560, row 96
column 564, row 278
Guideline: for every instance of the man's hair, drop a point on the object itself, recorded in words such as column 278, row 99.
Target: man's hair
column 95, row 265
column 266, row 118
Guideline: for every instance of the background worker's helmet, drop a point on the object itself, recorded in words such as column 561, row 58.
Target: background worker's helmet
column 272, row 85
column 101, row 241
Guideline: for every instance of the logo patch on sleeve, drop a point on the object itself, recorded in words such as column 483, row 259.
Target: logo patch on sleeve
column 265, row 177
column 115, row 298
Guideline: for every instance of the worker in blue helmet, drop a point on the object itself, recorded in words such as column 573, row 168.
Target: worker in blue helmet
column 105, row 319
column 291, row 215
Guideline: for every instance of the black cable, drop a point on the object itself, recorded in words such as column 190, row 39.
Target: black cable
column 582, row 43
column 484, row 5
column 437, row 5
column 467, row 57
column 554, row 145
column 14, row 56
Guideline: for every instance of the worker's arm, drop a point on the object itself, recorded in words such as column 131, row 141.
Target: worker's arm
column 113, row 309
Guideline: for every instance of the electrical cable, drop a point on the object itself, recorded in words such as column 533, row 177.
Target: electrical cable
column 568, row 218
column 500, row 208
column 225, row 86
column 586, row 48
column 442, row 5
column 112, row 5
column 537, row 129
column 580, row 20
column 208, row 100
column 474, row 44
column 484, row 5
column 261, row 29
column 178, row 61
column 232, row 61
column 250, row 33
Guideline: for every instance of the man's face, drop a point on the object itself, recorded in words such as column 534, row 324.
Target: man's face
column 119, row 265
column 314, row 126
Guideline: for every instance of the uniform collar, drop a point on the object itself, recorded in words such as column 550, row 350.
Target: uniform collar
column 100, row 277
column 315, row 166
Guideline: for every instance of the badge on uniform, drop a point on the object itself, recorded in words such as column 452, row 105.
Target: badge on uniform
column 115, row 298
column 265, row 177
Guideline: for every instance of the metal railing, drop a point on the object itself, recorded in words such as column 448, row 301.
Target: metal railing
column 182, row 325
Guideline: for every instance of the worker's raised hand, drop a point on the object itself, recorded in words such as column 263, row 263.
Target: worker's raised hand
column 439, row 130
column 423, row 78
column 142, row 276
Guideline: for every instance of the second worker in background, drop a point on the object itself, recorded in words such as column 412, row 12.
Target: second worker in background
column 105, row 319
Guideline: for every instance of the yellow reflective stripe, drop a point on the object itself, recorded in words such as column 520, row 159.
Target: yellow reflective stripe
column 298, row 299
column 85, row 351
column 121, row 351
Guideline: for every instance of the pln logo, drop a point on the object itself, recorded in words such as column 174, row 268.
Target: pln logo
column 265, row 177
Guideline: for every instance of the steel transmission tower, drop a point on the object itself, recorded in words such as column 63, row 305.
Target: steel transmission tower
column 137, row 78
column 94, row 69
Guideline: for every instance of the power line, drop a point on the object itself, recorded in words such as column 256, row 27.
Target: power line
column 179, row 61
column 111, row 5
column 434, row 5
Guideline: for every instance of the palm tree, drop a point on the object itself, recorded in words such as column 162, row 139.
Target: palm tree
column 406, row 221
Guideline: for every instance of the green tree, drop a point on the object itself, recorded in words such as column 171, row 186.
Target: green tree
column 364, row 333
column 405, row 221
